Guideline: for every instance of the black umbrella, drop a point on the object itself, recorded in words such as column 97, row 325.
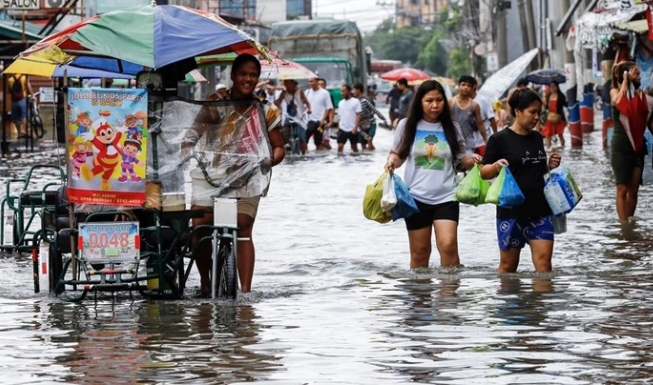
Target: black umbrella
column 546, row 76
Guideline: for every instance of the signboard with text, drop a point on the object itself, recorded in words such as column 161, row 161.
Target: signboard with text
column 21, row 5
column 109, row 241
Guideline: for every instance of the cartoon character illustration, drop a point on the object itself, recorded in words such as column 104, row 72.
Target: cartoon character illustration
column 130, row 149
column 142, row 119
column 80, row 150
column 106, row 140
column 83, row 122
column 134, row 131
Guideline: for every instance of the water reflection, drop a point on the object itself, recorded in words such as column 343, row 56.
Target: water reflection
column 160, row 342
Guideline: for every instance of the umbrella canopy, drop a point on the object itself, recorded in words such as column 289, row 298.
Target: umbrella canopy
column 27, row 67
column 284, row 70
column 501, row 80
column 153, row 36
column 546, row 76
column 409, row 74
column 442, row 80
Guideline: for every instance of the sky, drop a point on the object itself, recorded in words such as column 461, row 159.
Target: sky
column 366, row 13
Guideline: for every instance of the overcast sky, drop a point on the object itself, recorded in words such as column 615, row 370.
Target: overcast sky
column 366, row 13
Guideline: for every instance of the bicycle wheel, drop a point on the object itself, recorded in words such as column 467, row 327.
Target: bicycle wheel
column 227, row 280
column 37, row 126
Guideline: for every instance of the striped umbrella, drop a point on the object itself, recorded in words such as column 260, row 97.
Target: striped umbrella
column 150, row 36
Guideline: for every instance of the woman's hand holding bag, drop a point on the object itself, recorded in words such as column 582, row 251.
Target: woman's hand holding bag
column 389, row 198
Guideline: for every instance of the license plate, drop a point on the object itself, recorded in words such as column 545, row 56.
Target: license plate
column 109, row 241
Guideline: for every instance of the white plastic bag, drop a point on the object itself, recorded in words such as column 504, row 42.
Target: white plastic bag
column 389, row 198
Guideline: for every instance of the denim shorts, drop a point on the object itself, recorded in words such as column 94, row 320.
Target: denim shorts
column 296, row 131
column 516, row 233
column 19, row 110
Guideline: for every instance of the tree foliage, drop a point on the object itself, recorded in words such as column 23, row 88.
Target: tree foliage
column 436, row 47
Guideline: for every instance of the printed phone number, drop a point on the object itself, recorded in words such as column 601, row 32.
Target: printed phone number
column 110, row 200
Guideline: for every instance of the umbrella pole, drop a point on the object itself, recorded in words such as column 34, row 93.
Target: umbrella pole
column 71, row 207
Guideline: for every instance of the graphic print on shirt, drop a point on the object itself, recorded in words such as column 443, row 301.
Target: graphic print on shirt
column 430, row 150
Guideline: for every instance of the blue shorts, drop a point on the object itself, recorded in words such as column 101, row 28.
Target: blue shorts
column 516, row 233
column 19, row 110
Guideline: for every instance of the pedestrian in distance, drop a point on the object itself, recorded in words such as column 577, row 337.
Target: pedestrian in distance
column 368, row 121
column 430, row 143
column 556, row 122
column 467, row 113
column 20, row 91
column 405, row 99
column 321, row 108
column 392, row 99
column 631, row 116
column 349, row 109
column 296, row 108
column 521, row 148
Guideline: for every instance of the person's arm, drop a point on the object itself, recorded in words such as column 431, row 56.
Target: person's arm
column 617, row 93
column 29, row 87
column 306, row 102
column 379, row 114
column 394, row 160
column 358, row 122
column 279, row 100
column 493, row 160
column 276, row 141
column 479, row 121
column 493, row 125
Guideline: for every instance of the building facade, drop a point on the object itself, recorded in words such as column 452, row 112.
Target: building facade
column 413, row 13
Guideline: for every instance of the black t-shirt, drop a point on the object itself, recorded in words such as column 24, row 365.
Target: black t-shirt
column 528, row 163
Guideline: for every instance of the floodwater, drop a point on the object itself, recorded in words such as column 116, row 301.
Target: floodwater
column 335, row 303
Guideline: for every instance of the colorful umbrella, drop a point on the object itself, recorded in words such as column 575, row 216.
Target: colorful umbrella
column 27, row 67
column 546, row 76
column 284, row 70
column 152, row 36
column 410, row 74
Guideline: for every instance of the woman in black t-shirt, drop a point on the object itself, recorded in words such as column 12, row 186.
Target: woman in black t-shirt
column 521, row 149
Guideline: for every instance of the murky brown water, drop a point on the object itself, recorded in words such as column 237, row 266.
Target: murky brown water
column 335, row 303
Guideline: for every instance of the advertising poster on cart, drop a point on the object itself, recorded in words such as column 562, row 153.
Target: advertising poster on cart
column 106, row 141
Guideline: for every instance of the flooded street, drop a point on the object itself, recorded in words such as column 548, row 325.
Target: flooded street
column 335, row 303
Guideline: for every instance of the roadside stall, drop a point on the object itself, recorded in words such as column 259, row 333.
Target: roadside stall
column 119, row 220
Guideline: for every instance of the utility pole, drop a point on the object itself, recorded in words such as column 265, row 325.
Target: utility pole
column 502, row 35
column 530, row 25
column 523, row 21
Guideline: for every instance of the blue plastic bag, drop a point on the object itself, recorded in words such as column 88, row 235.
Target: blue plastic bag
column 510, row 194
column 561, row 192
column 406, row 205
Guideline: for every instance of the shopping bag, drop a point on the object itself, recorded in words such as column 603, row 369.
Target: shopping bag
column 472, row 189
column 492, row 195
column 372, row 201
column 389, row 197
column 561, row 192
column 406, row 205
column 510, row 194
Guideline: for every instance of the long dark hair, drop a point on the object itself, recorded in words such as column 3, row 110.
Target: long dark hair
column 415, row 114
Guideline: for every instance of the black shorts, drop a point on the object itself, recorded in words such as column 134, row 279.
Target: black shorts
column 429, row 213
column 344, row 136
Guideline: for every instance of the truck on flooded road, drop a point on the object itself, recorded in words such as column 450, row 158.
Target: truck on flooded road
column 333, row 49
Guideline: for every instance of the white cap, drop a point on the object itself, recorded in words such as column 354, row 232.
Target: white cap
column 220, row 86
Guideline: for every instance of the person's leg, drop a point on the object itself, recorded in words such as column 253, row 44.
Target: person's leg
column 342, row 139
column 511, row 241
column 541, row 253
column 419, row 242
column 371, row 132
column 509, row 260
column 446, row 241
column 247, row 209
column 353, row 140
column 203, row 250
column 547, row 141
column 633, row 191
column 622, row 202
column 301, row 136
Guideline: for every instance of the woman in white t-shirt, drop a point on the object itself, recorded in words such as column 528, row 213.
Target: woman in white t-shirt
column 431, row 145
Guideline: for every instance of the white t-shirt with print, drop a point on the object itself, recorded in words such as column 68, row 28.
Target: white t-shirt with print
column 430, row 174
column 347, row 109
column 487, row 113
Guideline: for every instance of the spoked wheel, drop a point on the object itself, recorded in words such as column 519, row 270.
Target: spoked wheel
column 37, row 126
column 227, row 280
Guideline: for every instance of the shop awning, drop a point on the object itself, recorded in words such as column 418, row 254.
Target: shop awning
column 637, row 26
column 594, row 30
column 13, row 30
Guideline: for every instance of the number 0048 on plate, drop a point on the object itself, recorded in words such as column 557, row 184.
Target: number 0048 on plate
column 109, row 241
